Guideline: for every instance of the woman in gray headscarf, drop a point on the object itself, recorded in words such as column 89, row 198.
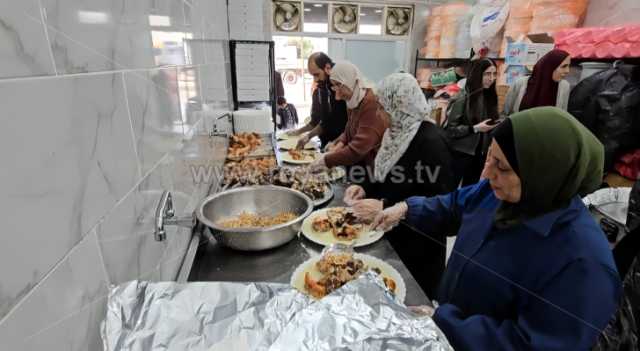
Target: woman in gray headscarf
column 413, row 159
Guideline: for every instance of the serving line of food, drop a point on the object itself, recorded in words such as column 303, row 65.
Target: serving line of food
column 266, row 224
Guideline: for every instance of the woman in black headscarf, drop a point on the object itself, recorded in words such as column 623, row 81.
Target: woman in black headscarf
column 545, row 87
column 470, row 117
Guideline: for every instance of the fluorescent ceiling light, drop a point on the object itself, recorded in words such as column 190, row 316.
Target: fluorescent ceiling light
column 307, row 10
column 378, row 11
column 159, row 21
column 93, row 17
column 317, row 5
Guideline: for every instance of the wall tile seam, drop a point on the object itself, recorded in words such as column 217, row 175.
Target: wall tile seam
column 45, row 277
column 133, row 134
column 88, row 305
column 43, row 19
column 84, row 236
column 98, row 73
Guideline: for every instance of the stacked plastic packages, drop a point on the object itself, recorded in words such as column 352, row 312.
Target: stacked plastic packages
column 550, row 16
column 452, row 17
column 432, row 38
column 599, row 43
column 445, row 29
column 518, row 22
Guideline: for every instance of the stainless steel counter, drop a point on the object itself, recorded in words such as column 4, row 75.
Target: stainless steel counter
column 214, row 262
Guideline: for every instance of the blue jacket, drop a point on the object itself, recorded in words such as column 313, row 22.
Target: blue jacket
column 549, row 283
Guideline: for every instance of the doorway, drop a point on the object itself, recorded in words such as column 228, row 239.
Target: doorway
column 291, row 55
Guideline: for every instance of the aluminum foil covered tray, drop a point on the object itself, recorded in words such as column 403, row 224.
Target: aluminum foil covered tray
column 362, row 315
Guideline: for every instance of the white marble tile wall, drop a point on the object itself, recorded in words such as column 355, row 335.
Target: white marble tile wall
column 78, row 281
column 209, row 27
column 98, row 35
column 24, row 50
column 69, row 158
column 93, row 131
column 154, row 105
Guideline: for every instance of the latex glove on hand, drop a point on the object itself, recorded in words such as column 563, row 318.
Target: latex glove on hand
column 352, row 194
column 390, row 217
column 422, row 310
column 318, row 165
column 302, row 142
column 367, row 210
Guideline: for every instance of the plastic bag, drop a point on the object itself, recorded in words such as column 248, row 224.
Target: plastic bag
column 607, row 104
column 487, row 27
column 622, row 331
column 629, row 165
column 633, row 214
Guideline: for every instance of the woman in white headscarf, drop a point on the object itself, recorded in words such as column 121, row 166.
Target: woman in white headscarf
column 362, row 136
column 413, row 159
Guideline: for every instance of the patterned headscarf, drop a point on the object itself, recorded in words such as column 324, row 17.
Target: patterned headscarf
column 401, row 97
column 347, row 74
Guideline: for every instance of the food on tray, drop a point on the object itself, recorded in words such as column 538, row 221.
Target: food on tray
column 343, row 224
column 252, row 220
column 338, row 269
column 300, row 155
column 249, row 171
column 301, row 180
column 242, row 144
column 263, row 171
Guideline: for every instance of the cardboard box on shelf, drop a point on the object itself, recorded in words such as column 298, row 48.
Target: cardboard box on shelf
column 502, row 91
column 529, row 51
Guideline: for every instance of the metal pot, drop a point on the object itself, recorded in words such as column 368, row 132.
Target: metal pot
column 264, row 200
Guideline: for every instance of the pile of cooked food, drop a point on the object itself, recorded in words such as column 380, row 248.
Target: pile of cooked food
column 300, row 155
column 263, row 171
column 301, row 180
column 252, row 220
column 342, row 223
column 249, row 171
column 337, row 269
column 242, row 144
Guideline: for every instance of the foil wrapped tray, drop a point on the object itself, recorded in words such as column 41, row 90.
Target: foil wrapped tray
column 362, row 315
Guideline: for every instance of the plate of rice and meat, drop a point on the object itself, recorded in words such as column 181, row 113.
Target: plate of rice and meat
column 338, row 225
column 319, row 276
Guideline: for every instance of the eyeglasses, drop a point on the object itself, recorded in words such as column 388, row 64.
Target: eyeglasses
column 490, row 74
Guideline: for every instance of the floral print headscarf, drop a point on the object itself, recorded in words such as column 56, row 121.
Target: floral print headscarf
column 401, row 97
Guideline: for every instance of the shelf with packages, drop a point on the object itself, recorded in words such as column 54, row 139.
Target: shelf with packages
column 447, row 62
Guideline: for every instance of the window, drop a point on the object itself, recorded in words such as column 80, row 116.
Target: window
column 370, row 20
column 316, row 17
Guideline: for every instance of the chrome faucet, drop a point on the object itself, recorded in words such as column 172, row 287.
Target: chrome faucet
column 214, row 129
column 164, row 216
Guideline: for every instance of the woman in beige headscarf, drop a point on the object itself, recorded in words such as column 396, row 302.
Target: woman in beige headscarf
column 360, row 141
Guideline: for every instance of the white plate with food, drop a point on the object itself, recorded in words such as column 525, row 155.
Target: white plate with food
column 290, row 144
column 321, row 275
column 326, row 197
column 336, row 173
column 284, row 136
column 299, row 157
column 337, row 225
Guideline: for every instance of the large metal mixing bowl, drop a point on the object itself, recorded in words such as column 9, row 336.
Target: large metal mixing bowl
column 262, row 200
